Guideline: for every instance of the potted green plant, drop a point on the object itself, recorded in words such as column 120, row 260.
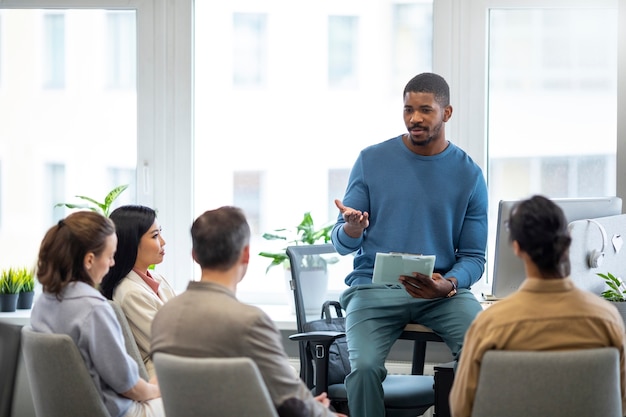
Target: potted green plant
column 615, row 293
column 304, row 233
column 10, row 287
column 26, row 277
column 94, row 205
column 314, row 277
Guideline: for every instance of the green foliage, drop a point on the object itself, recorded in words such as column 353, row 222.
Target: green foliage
column 617, row 289
column 11, row 281
column 94, row 205
column 305, row 233
column 26, row 277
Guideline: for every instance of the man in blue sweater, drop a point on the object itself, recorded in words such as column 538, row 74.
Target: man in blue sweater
column 415, row 193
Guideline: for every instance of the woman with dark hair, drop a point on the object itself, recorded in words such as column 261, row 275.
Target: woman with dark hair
column 548, row 312
column 74, row 256
column 139, row 291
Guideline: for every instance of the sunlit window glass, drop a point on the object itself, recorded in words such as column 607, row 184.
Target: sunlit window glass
column 1, row 51
column 73, row 137
column 285, row 98
column 342, row 51
column 552, row 99
column 249, row 49
column 247, row 187
column 412, row 40
column 121, row 50
column 54, row 178
column 552, row 80
column 54, row 50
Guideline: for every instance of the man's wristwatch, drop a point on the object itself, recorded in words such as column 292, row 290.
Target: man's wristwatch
column 453, row 292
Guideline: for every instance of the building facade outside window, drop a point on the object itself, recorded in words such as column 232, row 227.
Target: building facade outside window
column 54, row 50
column 343, row 51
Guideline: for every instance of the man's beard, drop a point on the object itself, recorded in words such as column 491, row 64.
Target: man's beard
column 420, row 142
column 428, row 140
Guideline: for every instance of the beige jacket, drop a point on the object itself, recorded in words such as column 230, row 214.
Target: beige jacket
column 542, row 315
column 140, row 304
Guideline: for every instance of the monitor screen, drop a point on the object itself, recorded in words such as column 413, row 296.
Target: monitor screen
column 508, row 269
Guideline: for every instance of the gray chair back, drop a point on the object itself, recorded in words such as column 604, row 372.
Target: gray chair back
column 212, row 387
column 9, row 358
column 129, row 339
column 572, row 383
column 59, row 381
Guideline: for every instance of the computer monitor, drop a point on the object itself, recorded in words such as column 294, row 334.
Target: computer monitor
column 508, row 270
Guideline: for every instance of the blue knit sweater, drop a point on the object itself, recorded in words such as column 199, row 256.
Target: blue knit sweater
column 435, row 205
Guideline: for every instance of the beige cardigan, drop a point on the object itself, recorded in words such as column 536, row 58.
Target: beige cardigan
column 140, row 304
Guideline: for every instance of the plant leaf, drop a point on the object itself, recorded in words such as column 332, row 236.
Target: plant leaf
column 111, row 196
column 271, row 236
column 305, row 233
column 615, row 292
column 76, row 206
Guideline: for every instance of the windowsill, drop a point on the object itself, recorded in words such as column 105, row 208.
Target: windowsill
column 281, row 314
column 19, row 317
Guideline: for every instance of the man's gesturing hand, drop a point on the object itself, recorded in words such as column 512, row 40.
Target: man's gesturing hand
column 356, row 220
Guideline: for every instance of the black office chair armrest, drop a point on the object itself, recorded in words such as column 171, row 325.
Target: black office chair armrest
column 321, row 341
column 318, row 336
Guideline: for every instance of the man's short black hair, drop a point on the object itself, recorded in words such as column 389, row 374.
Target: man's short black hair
column 428, row 82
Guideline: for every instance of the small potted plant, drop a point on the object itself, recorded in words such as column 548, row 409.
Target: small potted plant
column 305, row 233
column 26, row 277
column 314, row 278
column 10, row 287
column 615, row 293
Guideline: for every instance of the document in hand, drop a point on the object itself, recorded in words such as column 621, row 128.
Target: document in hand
column 389, row 266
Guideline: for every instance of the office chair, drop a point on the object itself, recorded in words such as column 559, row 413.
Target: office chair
column 59, row 381
column 129, row 339
column 10, row 335
column 572, row 383
column 408, row 395
column 212, row 387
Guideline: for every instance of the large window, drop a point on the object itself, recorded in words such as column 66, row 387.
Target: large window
column 70, row 136
column 282, row 141
column 552, row 101
column 313, row 84
column 541, row 86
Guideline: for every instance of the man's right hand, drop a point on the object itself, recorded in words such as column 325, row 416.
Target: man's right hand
column 323, row 398
column 355, row 220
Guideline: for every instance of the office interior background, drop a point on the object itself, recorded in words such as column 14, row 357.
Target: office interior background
column 265, row 105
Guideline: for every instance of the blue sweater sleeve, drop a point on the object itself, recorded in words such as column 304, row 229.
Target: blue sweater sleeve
column 470, row 254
